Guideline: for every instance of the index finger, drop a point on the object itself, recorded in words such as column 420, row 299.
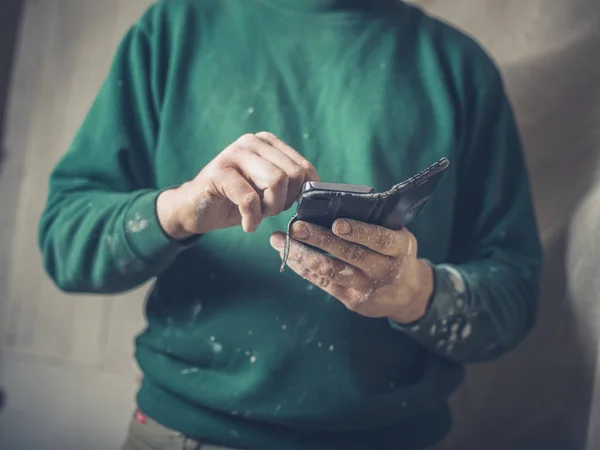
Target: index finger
column 311, row 172
column 395, row 243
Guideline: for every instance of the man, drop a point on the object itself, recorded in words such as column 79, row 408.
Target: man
column 171, row 176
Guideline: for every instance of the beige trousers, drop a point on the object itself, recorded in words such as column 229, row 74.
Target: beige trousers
column 147, row 434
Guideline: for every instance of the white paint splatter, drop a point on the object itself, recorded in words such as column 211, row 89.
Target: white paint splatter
column 216, row 347
column 319, row 344
column 252, row 359
column 305, row 136
column 466, row 331
column 196, row 311
column 247, row 352
column 250, row 111
column 137, row 224
column 202, row 204
column 310, row 335
column 456, row 277
column 347, row 271
column 190, row 370
column 212, row 338
column 284, row 327
column 331, row 348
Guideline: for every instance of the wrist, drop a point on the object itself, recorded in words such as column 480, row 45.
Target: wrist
column 420, row 296
column 168, row 212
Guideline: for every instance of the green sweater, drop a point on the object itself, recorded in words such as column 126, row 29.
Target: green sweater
column 235, row 352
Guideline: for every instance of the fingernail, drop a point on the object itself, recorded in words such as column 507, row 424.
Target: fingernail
column 276, row 242
column 300, row 231
column 342, row 227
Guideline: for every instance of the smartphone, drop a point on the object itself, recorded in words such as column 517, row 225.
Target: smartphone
column 323, row 203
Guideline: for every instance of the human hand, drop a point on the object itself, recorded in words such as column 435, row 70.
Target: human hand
column 373, row 271
column 255, row 177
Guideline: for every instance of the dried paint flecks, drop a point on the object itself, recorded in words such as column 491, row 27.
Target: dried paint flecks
column 196, row 310
column 455, row 277
column 137, row 224
column 346, row 271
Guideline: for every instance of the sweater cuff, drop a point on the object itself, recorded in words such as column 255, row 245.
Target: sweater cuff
column 445, row 322
column 145, row 235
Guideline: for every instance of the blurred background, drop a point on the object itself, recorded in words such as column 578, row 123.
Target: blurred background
column 65, row 361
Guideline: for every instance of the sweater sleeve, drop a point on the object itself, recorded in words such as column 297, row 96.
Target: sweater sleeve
column 485, row 296
column 99, row 232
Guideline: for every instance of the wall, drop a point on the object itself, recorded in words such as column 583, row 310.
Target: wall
column 9, row 24
column 539, row 395
column 66, row 359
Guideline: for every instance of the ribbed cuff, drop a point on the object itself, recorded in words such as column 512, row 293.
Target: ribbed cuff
column 146, row 237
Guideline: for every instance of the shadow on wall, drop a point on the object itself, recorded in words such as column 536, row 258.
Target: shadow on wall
column 10, row 19
column 9, row 25
column 539, row 396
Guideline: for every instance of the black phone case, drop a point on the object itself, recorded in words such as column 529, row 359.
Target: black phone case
column 392, row 209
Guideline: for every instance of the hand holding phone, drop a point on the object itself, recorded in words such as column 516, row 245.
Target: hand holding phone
column 323, row 203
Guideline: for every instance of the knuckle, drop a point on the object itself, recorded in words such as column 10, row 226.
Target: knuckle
column 304, row 273
column 308, row 167
column 383, row 240
column 316, row 265
column 266, row 135
column 296, row 174
column 323, row 281
column 250, row 201
column 279, row 179
column 245, row 141
column 327, row 270
column 352, row 253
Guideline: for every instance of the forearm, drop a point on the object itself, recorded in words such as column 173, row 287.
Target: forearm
column 478, row 311
column 103, row 242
